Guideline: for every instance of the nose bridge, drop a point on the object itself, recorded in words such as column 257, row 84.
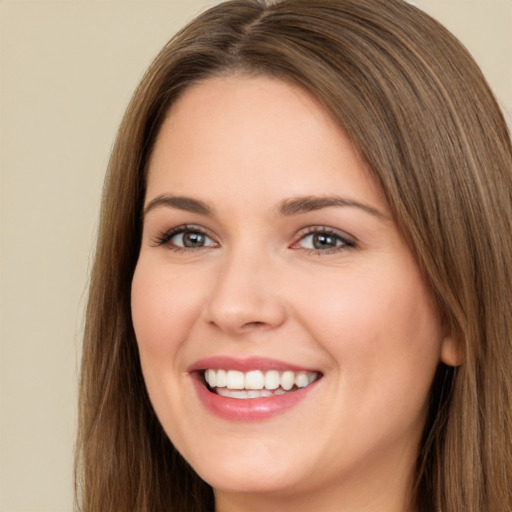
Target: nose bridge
column 245, row 295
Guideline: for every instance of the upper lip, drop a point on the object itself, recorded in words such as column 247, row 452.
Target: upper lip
column 245, row 364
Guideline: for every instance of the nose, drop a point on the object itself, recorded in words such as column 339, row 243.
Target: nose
column 245, row 296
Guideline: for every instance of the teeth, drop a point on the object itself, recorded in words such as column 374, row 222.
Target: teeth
column 272, row 380
column 252, row 393
column 302, row 380
column 233, row 394
column 210, row 376
column 255, row 383
column 220, row 378
column 287, row 380
column 235, row 379
column 254, row 380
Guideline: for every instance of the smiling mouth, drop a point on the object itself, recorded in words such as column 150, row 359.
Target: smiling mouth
column 256, row 383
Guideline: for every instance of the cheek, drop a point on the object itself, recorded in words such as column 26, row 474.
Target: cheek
column 164, row 307
column 382, row 331
column 385, row 310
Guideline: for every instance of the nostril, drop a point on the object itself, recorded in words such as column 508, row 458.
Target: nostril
column 253, row 324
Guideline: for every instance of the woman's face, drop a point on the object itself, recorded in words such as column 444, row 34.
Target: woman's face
column 270, row 266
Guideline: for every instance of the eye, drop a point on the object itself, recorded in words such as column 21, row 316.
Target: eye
column 186, row 237
column 191, row 239
column 323, row 240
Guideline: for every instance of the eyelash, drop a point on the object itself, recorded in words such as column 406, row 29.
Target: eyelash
column 166, row 237
column 346, row 243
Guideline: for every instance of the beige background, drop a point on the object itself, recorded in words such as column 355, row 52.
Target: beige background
column 67, row 69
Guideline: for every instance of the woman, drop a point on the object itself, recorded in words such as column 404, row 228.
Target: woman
column 301, row 296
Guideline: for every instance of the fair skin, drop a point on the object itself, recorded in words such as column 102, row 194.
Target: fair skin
column 235, row 264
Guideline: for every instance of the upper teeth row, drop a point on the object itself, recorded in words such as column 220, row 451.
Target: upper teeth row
column 256, row 379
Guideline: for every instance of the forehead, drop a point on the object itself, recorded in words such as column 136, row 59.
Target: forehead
column 239, row 133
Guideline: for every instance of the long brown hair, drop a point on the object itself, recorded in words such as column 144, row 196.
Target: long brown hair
column 432, row 135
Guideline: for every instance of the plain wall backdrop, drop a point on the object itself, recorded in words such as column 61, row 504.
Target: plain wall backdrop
column 67, row 71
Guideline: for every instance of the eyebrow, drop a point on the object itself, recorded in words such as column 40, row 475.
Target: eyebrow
column 180, row 203
column 305, row 204
column 288, row 207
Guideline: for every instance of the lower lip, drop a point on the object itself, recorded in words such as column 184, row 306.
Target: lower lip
column 249, row 409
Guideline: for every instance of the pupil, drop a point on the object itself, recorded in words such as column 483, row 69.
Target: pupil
column 193, row 239
column 321, row 241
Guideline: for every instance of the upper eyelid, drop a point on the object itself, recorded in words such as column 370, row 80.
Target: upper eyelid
column 187, row 227
column 165, row 236
column 326, row 229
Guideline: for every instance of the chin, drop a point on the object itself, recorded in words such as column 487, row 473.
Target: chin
column 247, row 480
column 250, row 473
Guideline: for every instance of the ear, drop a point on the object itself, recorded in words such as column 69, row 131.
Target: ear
column 451, row 351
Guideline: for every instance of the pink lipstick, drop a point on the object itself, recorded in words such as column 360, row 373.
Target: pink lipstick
column 250, row 389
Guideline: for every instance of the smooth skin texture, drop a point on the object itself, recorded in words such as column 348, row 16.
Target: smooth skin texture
column 247, row 278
